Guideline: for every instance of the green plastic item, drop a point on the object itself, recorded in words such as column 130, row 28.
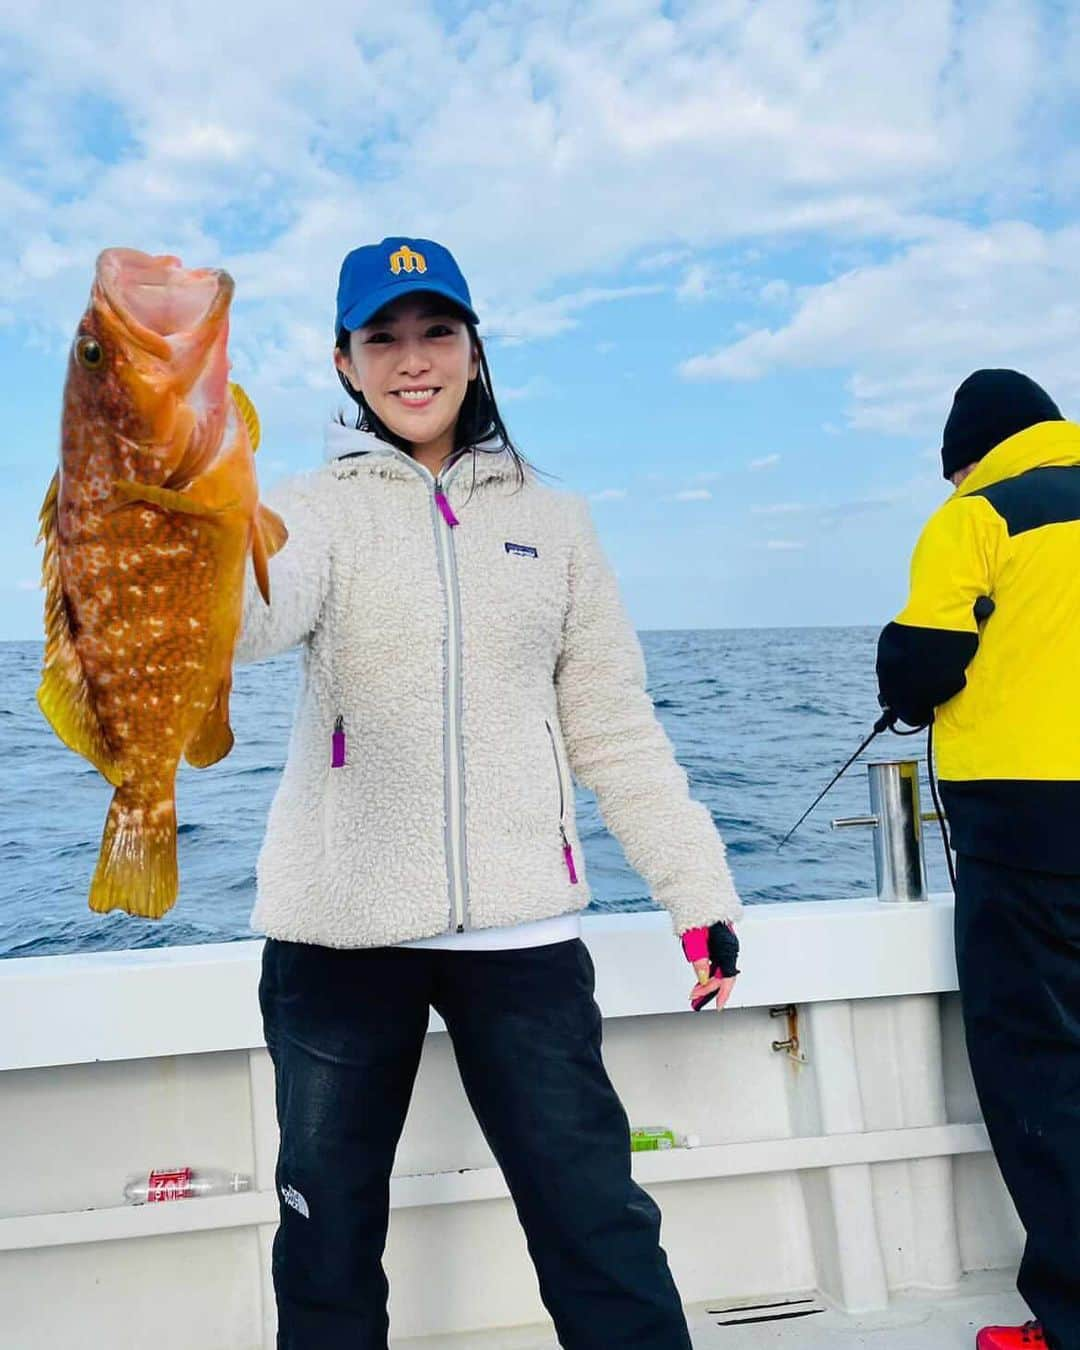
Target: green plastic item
column 651, row 1138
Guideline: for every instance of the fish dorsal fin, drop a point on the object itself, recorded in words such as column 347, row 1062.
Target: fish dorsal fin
column 63, row 694
column 246, row 409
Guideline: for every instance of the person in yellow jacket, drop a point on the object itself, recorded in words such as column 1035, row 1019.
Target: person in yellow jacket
column 988, row 650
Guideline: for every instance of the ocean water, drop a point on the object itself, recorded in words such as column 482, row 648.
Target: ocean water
column 760, row 720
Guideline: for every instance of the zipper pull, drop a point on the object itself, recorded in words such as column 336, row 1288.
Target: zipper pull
column 446, row 509
column 568, row 857
column 337, row 754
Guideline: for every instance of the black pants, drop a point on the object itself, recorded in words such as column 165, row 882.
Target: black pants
column 1018, row 954
column 345, row 1029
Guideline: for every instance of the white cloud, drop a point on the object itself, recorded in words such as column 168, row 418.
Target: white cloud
column 549, row 318
column 785, row 545
column 765, row 462
column 552, row 146
column 780, row 509
column 697, row 283
column 200, row 142
column 664, row 260
column 27, row 584
column 775, row 292
column 608, row 495
column 912, row 327
column 691, row 495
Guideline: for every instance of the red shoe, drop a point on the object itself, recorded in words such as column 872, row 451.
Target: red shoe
column 1027, row 1337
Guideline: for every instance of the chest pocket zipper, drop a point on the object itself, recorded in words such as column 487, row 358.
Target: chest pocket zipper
column 568, row 851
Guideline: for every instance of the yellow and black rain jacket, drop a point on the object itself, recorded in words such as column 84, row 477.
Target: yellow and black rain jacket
column 989, row 647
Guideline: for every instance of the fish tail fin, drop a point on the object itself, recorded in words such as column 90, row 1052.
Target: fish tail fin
column 136, row 869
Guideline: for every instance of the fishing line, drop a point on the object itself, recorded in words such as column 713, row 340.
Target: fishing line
column 938, row 807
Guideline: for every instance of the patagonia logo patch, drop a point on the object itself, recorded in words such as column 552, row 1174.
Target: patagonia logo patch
column 522, row 550
column 296, row 1200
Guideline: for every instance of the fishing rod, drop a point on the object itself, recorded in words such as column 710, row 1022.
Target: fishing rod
column 983, row 609
column 884, row 722
column 887, row 722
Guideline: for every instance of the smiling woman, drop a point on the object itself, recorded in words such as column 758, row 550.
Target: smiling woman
column 412, row 363
column 467, row 656
column 418, row 372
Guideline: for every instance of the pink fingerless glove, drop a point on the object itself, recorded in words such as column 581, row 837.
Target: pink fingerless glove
column 695, row 944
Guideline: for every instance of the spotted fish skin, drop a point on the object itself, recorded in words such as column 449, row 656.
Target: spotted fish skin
column 147, row 526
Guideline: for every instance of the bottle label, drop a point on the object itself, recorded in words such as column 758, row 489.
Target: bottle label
column 175, row 1185
column 648, row 1139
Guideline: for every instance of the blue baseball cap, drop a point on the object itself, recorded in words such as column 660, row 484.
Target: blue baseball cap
column 376, row 274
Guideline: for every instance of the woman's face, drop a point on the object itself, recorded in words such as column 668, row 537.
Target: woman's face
column 413, row 362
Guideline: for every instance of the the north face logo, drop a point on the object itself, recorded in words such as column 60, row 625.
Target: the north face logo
column 521, row 550
column 407, row 260
column 296, row 1200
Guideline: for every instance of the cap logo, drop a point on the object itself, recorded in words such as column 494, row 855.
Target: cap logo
column 406, row 260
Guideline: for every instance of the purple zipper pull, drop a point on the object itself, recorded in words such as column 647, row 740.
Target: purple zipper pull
column 568, row 857
column 337, row 754
column 446, row 509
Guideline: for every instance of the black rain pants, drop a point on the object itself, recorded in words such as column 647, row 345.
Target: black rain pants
column 1018, row 954
column 345, row 1029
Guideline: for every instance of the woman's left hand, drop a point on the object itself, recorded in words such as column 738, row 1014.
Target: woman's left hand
column 712, row 952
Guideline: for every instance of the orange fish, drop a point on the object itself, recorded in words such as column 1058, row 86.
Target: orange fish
column 148, row 524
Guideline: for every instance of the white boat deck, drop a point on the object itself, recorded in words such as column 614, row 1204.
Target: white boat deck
column 804, row 1322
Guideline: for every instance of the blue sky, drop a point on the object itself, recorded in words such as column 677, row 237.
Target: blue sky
column 731, row 257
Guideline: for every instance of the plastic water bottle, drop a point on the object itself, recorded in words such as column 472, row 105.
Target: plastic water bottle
column 183, row 1183
column 657, row 1138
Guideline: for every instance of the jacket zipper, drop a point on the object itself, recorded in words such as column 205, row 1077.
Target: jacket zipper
column 445, row 524
column 568, row 852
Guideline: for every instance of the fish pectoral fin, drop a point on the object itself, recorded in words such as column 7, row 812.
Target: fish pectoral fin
column 136, row 869
column 63, row 694
column 168, row 499
column 248, row 415
column 213, row 739
column 273, row 529
column 268, row 536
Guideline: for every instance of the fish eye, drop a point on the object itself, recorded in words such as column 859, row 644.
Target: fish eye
column 89, row 353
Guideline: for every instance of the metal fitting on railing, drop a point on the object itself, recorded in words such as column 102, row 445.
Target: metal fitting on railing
column 897, row 823
column 791, row 1046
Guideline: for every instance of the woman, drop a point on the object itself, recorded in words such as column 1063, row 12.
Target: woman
column 464, row 653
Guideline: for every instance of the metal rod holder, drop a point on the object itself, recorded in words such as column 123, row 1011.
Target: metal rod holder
column 896, row 820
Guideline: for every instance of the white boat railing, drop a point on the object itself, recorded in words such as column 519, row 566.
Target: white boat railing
column 842, row 1151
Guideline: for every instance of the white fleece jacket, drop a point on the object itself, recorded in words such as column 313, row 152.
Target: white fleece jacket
column 477, row 667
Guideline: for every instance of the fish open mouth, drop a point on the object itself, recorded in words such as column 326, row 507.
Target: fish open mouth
column 160, row 300
column 177, row 317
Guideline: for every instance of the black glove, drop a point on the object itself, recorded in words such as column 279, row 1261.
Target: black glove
column 723, row 951
column 723, row 958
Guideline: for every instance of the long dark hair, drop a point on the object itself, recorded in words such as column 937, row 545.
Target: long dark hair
column 478, row 421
